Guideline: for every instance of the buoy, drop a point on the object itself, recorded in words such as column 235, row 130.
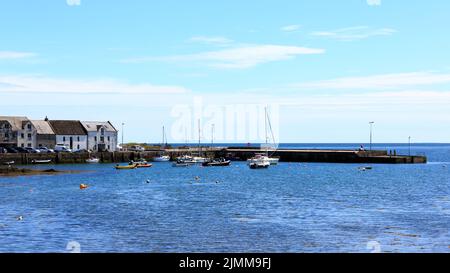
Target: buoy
column 20, row 218
column 83, row 186
column 148, row 181
column 197, row 178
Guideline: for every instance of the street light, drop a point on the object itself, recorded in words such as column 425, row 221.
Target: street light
column 409, row 145
column 122, row 136
column 371, row 135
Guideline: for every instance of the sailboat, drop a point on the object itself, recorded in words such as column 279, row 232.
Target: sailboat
column 163, row 158
column 194, row 159
column 263, row 160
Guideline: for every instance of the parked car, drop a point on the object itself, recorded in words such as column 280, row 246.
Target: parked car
column 3, row 150
column 11, row 150
column 137, row 148
column 21, row 150
column 33, row 150
column 82, row 151
column 46, row 150
column 62, row 148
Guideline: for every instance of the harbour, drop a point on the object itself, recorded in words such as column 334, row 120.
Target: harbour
column 237, row 154
column 292, row 207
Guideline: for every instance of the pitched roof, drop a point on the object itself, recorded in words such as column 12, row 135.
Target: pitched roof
column 42, row 127
column 94, row 126
column 16, row 122
column 67, row 127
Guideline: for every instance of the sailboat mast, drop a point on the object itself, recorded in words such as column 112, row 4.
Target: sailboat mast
column 199, row 139
column 265, row 127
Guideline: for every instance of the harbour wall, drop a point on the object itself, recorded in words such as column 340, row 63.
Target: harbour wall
column 317, row 156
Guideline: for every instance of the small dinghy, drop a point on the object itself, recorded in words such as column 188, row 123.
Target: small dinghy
column 127, row 167
column 92, row 160
column 181, row 164
column 45, row 161
column 217, row 163
column 163, row 158
column 9, row 163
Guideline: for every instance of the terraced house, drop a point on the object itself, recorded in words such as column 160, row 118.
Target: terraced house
column 70, row 133
column 17, row 131
column 102, row 136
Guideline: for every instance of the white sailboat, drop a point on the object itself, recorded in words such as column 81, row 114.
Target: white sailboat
column 163, row 158
column 263, row 160
column 194, row 159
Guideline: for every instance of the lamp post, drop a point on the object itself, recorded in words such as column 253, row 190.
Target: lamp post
column 371, row 133
column 409, row 145
column 122, row 136
column 212, row 134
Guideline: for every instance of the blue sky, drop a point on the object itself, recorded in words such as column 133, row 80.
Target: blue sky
column 324, row 68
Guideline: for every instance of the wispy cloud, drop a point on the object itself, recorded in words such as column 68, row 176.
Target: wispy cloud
column 215, row 40
column 290, row 28
column 8, row 55
column 354, row 33
column 242, row 57
column 386, row 81
column 374, row 2
column 73, row 2
column 39, row 84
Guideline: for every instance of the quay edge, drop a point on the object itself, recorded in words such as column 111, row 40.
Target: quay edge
column 313, row 156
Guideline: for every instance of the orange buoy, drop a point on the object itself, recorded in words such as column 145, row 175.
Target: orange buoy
column 83, row 186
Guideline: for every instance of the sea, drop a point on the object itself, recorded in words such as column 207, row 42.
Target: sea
column 289, row 208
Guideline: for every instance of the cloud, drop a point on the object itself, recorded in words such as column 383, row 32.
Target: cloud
column 290, row 28
column 237, row 58
column 354, row 33
column 9, row 55
column 39, row 84
column 216, row 40
column 373, row 2
column 73, row 2
column 386, row 81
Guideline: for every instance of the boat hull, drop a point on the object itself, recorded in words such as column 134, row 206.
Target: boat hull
column 217, row 164
column 129, row 167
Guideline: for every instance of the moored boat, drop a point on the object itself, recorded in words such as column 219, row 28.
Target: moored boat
column 163, row 158
column 92, row 160
column 217, row 163
column 126, row 167
column 180, row 164
column 259, row 161
column 45, row 161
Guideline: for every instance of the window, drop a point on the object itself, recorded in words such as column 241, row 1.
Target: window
column 109, row 147
column 95, row 138
column 102, row 139
column 109, row 138
column 29, row 126
column 29, row 136
column 22, row 145
column 78, row 146
column 102, row 131
column 6, row 135
column 64, row 139
column 29, row 145
column 78, row 139
column 22, row 135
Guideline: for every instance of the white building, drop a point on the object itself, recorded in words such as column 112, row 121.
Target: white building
column 102, row 136
column 70, row 133
column 17, row 131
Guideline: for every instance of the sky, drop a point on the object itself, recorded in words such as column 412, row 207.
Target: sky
column 322, row 69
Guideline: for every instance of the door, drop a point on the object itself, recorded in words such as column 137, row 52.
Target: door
column 71, row 143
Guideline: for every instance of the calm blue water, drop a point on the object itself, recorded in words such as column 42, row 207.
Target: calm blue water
column 292, row 207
